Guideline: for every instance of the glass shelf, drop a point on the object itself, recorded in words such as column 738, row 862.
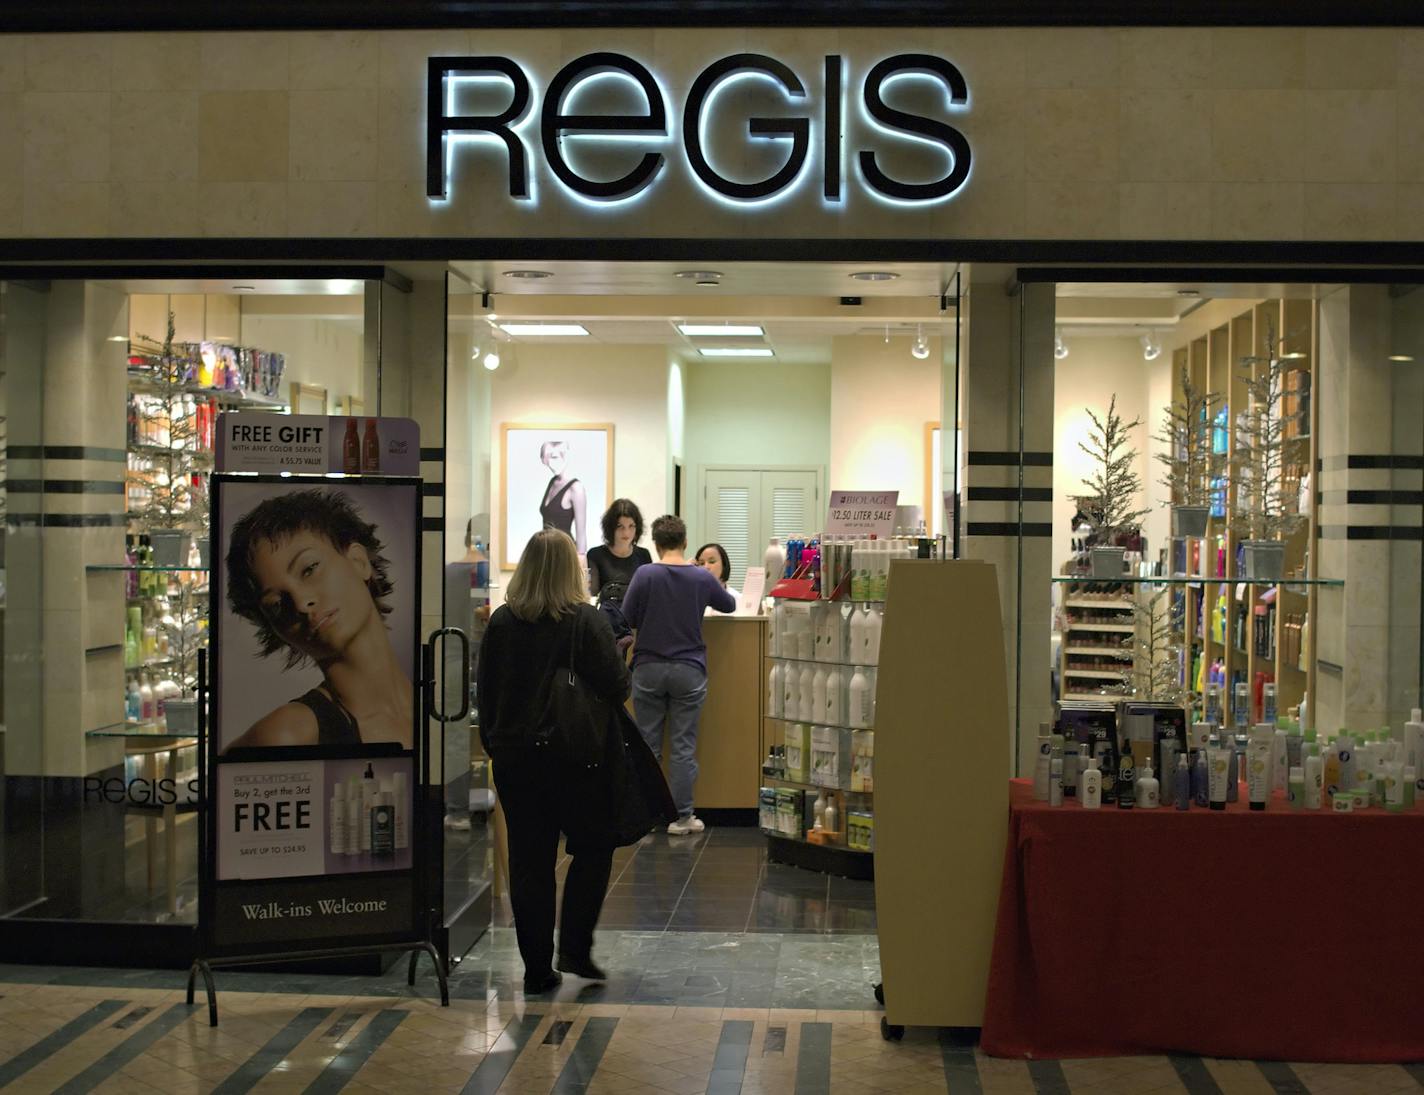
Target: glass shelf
column 814, row 722
column 815, row 786
column 822, row 661
column 145, row 568
column 146, row 384
column 802, row 840
column 1192, row 580
column 139, row 730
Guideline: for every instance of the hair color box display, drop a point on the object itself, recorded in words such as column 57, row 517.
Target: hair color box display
column 796, row 740
column 830, row 757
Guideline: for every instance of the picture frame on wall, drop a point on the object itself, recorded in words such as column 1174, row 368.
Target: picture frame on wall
column 308, row 398
column 554, row 475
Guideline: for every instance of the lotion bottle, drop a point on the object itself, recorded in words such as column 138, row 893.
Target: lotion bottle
column 1092, row 784
column 1148, row 790
column 806, row 708
column 874, row 623
column 857, row 634
column 818, row 693
column 790, row 692
column 774, row 694
column 1182, row 784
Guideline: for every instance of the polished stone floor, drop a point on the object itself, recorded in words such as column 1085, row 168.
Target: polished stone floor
column 728, row 975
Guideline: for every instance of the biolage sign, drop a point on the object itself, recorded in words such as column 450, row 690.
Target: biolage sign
column 661, row 128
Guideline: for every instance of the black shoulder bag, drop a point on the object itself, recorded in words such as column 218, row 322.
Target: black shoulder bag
column 575, row 721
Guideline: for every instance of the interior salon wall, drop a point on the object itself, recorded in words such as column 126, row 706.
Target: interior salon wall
column 624, row 385
column 881, row 399
column 676, row 431
column 319, row 351
column 752, row 415
column 1094, row 370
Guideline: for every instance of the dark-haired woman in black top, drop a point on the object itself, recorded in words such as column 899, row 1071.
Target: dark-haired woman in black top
column 612, row 563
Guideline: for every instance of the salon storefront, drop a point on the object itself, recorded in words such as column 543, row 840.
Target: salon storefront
column 365, row 204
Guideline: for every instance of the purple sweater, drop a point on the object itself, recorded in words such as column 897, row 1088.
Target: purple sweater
column 664, row 603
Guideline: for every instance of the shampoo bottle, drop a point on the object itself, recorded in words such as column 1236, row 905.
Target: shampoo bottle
column 790, row 692
column 1295, row 789
column 1280, row 759
column 1055, row 782
column 818, row 693
column 857, row 634
column 1411, row 786
column 402, row 808
column 1201, row 781
column 874, row 622
column 1092, row 784
column 859, row 691
column 1148, row 790
column 1414, row 740
column 370, row 791
column 1268, row 703
column 1071, row 754
column 818, row 809
column 829, row 820
column 1182, row 781
column 806, row 692
column 774, row 693
column 383, row 824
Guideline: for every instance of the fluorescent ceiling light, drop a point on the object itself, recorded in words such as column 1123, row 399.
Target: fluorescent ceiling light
column 874, row 275
column 737, row 351
column 527, row 275
column 551, row 330
column 712, row 330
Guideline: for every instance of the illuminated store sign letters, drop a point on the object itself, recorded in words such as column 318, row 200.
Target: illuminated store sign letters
column 651, row 125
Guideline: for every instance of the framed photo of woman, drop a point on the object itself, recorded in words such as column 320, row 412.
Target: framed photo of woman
column 558, row 475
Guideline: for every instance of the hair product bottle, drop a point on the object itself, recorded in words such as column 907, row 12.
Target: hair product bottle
column 1314, row 778
column 829, row 819
column 1182, row 784
column 859, row 699
column 806, row 709
column 401, row 802
column 1055, row 782
column 874, row 623
column 354, row 818
column 1092, row 783
column 774, row 693
column 1042, row 764
column 351, row 449
column 1148, row 790
column 370, row 790
column 1126, row 781
column 834, row 711
column 371, row 448
column 383, row 824
column 818, row 693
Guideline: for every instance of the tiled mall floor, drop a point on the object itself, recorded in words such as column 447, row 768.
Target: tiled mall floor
column 774, row 997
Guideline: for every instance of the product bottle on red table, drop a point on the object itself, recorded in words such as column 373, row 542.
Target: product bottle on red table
column 1126, row 789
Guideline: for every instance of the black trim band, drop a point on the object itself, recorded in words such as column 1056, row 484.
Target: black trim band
column 991, row 458
column 434, row 455
column 1231, row 260
column 1384, row 497
column 66, row 452
column 64, row 486
column 432, row 490
column 1010, row 494
column 432, row 524
column 162, row 15
column 1372, row 532
column 1007, row 528
column 67, row 520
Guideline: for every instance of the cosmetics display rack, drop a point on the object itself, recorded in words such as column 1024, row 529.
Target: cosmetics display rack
column 817, row 797
column 1235, row 630
column 1096, row 655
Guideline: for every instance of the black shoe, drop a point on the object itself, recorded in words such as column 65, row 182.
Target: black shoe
column 581, row 967
column 540, row 983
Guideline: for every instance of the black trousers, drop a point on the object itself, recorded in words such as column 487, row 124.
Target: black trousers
column 532, row 795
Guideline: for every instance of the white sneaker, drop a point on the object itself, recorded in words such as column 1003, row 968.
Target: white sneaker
column 684, row 825
column 459, row 824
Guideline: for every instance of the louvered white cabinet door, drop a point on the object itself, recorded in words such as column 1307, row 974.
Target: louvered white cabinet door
column 733, row 512
column 789, row 506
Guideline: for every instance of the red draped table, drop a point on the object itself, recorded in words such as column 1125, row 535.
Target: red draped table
column 1285, row 935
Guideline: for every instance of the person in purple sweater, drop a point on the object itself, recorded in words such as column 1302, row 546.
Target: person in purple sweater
column 664, row 604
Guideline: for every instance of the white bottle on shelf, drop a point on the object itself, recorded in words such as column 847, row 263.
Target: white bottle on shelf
column 147, row 700
column 774, row 693
column 774, row 560
column 790, row 691
column 818, row 809
column 835, row 633
column 829, row 820
column 835, row 705
column 818, row 692
column 806, row 694
column 856, row 627
column 861, row 701
column 874, row 622
column 336, row 825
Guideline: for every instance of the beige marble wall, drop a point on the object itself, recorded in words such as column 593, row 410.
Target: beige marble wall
column 1171, row 133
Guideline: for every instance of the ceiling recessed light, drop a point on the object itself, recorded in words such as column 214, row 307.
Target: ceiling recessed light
column 245, row 288
column 546, row 330
column 1188, row 292
column 125, row 338
column 699, row 276
column 528, row 275
column 1401, row 357
column 737, row 351
column 874, row 275
column 715, row 330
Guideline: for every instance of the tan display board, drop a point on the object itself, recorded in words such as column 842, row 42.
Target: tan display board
column 941, row 789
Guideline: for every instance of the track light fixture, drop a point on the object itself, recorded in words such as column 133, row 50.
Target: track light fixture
column 1060, row 347
column 920, row 348
column 1151, row 346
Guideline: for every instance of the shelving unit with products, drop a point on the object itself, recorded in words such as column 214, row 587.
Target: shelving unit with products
column 818, row 734
column 1096, row 657
column 1232, row 629
column 176, row 390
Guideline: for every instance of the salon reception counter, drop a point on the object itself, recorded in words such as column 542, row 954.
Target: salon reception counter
column 729, row 735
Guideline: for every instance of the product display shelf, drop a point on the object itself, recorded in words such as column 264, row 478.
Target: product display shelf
column 1216, row 362
column 848, row 850
column 1097, row 608
column 143, row 383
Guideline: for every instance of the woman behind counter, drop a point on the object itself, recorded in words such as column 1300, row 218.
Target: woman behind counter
column 545, row 623
column 713, row 557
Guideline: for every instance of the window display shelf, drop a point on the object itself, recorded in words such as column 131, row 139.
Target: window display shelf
column 1091, row 697
column 1109, row 651
column 141, row 730
column 1118, row 604
column 141, row 382
column 1099, row 674
column 1088, row 625
column 774, row 835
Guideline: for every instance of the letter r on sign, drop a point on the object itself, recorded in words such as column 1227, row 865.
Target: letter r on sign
column 439, row 126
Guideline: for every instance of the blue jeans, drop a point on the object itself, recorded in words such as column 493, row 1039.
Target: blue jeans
column 673, row 692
